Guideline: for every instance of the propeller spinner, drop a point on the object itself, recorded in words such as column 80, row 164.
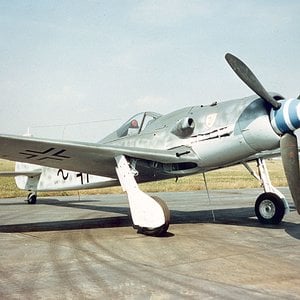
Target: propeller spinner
column 285, row 119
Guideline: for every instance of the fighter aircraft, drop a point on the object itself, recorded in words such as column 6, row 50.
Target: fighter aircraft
column 150, row 147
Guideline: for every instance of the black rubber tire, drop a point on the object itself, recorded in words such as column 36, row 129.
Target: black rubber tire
column 31, row 199
column 269, row 208
column 159, row 231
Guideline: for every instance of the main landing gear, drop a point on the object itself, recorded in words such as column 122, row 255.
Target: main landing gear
column 270, row 206
column 150, row 215
column 31, row 198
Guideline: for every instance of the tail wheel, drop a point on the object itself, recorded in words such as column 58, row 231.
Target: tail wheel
column 31, row 198
column 158, row 231
column 269, row 208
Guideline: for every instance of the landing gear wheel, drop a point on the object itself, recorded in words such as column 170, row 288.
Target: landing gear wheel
column 158, row 231
column 31, row 198
column 269, row 208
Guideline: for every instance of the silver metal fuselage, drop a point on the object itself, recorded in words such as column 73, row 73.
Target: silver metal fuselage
column 223, row 134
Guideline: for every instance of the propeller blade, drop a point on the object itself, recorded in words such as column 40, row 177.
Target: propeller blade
column 290, row 161
column 249, row 79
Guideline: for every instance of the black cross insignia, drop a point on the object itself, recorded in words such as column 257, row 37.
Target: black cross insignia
column 50, row 153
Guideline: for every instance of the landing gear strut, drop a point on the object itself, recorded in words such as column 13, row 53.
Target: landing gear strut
column 150, row 215
column 31, row 198
column 270, row 206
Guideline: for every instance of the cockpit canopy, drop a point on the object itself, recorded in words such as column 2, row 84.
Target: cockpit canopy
column 133, row 126
column 137, row 123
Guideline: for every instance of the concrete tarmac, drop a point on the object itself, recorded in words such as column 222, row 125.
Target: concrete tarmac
column 70, row 248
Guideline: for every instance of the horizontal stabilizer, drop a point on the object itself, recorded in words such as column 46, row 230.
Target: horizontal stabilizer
column 21, row 173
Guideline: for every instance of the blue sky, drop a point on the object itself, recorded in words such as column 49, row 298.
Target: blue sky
column 66, row 62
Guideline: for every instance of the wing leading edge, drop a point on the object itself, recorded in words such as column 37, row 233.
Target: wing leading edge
column 92, row 158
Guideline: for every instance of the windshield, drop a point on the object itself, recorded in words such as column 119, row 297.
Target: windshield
column 137, row 123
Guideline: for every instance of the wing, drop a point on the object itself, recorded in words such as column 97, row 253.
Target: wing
column 264, row 154
column 92, row 158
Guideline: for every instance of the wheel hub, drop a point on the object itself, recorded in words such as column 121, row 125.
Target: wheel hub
column 267, row 209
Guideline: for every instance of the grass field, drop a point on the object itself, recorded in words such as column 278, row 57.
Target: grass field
column 236, row 177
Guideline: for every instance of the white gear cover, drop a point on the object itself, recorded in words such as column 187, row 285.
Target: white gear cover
column 148, row 214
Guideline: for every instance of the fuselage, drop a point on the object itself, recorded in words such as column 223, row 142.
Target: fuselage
column 220, row 134
column 217, row 135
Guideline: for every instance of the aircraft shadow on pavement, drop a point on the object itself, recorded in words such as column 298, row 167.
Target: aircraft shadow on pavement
column 233, row 216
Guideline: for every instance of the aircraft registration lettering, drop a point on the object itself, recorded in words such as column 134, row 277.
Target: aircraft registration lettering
column 61, row 171
column 81, row 175
column 84, row 177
